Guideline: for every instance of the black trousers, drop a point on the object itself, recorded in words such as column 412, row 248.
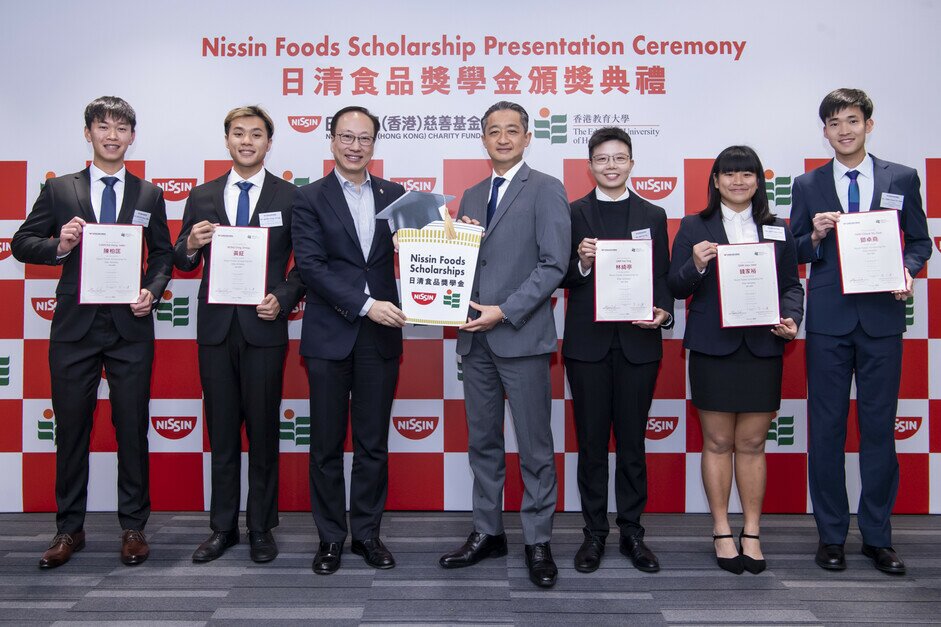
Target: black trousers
column 242, row 383
column 75, row 369
column 359, row 389
column 609, row 392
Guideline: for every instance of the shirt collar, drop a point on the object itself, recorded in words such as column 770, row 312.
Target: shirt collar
column 509, row 174
column 864, row 168
column 97, row 173
column 345, row 183
column 742, row 216
column 602, row 197
column 256, row 179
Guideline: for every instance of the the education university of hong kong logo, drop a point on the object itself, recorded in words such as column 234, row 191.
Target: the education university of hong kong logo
column 175, row 189
column 653, row 187
column 174, row 310
column 5, row 362
column 295, row 428
column 778, row 189
column 906, row 426
column 781, row 431
column 909, row 311
column 661, row 427
column 551, row 127
column 451, row 299
column 415, row 427
column 173, row 427
column 46, row 426
column 44, row 307
column 304, row 123
column 288, row 176
column 6, row 248
column 415, row 184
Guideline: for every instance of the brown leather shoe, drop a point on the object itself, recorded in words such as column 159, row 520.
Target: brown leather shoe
column 134, row 547
column 61, row 549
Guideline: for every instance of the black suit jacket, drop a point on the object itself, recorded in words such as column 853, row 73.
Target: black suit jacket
column 587, row 340
column 66, row 197
column 206, row 202
column 331, row 263
column 704, row 332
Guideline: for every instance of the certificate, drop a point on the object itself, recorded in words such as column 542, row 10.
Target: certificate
column 110, row 264
column 623, row 280
column 238, row 265
column 870, row 252
column 748, row 285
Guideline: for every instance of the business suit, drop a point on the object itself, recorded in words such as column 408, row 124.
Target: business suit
column 612, row 367
column 851, row 334
column 241, row 356
column 522, row 260
column 85, row 337
column 347, row 353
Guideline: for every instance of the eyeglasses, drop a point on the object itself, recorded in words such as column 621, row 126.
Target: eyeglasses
column 348, row 138
column 620, row 159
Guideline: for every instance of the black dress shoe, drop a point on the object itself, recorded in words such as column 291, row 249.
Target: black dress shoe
column 263, row 546
column 734, row 565
column 750, row 563
column 885, row 559
column 542, row 569
column 639, row 553
column 374, row 552
column 588, row 557
column 215, row 546
column 327, row 560
column 830, row 557
column 477, row 547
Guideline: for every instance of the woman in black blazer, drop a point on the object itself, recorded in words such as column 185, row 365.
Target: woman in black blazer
column 734, row 372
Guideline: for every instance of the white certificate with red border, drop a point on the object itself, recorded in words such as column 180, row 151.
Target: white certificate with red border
column 623, row 280
column 748, row 285
column 870, row 250
column 238, row 265
column 110, row 264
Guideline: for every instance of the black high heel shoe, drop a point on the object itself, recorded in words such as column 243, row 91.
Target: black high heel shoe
column 750, row 564
column 734, row 565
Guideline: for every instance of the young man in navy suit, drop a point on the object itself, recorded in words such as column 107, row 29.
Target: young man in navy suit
column 854, row 334
column 86, row 337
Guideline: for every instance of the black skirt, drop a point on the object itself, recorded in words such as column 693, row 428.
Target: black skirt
column 740, row 382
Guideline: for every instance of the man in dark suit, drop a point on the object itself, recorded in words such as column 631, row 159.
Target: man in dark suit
column 86, row 337
column 351, row 338
column 854, row 334
column 509, row 339
column 242, row 347
column 612, row 366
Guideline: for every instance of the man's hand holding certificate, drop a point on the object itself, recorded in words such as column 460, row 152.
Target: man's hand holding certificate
column 110, row 268
column 623, row 280
column 870, row 250
column 748, row 285
column 238, row 265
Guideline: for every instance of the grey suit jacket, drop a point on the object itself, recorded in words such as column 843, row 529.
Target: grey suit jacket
column 523, row 258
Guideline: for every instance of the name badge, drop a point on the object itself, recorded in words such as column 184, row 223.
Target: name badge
column 270, row 219
column 774, row 232
column 891, row 201
column 141, row 218
column 641, row 234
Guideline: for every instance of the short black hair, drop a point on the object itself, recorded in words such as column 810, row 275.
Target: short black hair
column 844, row 98
column 740, row 159
column 607, row 134
column 100, row 109
column 506, row 105
column 354, row 109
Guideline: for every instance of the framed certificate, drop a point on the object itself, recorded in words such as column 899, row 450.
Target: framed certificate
column 238, row 265
column 623, row 280
column 870, row 250
column 748, row 285
column 110, row 264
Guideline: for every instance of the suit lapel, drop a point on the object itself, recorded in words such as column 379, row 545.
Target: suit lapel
column 882, row 179
column 593, row 215
column 829, row 187
column 333, row 193
column 380, row 202
column 129, row 203
column 516, row 186
column 714, row 225
column 218, row 202
column 636, row 218
column 268, row 191
column 82, row 185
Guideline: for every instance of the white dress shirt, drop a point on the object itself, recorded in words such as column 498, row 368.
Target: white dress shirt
column 98, row 188
column 506, row 184
column 362, row 206
column 739, row 226
column 232, row 192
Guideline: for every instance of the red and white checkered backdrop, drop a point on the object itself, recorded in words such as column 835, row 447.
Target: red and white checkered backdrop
column 682, row 80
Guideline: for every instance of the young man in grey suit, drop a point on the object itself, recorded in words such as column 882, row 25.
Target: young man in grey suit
column 509, row 338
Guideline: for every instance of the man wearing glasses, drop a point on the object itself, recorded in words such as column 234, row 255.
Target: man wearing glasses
column 351, row 338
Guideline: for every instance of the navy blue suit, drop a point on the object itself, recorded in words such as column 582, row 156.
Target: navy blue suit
column 851, row 334
column 704, row 332
column 352, row 362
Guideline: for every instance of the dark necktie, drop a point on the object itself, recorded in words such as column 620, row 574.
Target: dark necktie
column 241, row 213
column 852, row 199
column 109, row 201
column 494, row 194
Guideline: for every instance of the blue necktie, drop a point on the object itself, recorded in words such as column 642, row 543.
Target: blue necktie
column 494, row 194
column 109, row 201
column 241, row 213
column 852, row 199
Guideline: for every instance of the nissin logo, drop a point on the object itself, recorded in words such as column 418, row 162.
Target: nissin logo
column 423, row 298
column 653, row 187
column 44, row 307
column 6, row 248
column 659, row 427
column 175, row 189
column 416, row 428
column 304, row 123
column 906, row 427
column 412, row 184
column 298, row 312
column 172, row 427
